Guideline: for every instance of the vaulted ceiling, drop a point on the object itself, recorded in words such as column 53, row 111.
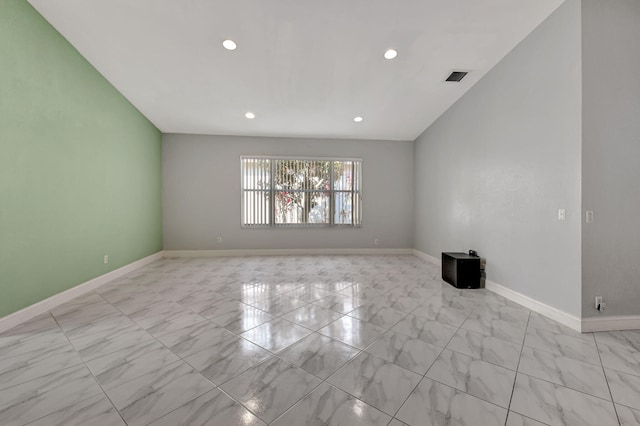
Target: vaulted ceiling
column 304, row 68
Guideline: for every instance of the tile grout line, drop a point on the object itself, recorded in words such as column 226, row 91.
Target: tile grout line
column 323, row 381
column 606, row 378
column 90, row 372
column 360, row 351
column 218, row 387
column 364, row 350
column 173, row 362
column 443, row 348
column 432, row 363
column 483, row 336
column 277, row 354
column 515, row 379
column 427, row 370
column 556, row 384
column 273, row 354
column 349, row 360
column 548, row 351
column 564, row 387
column 313, row 331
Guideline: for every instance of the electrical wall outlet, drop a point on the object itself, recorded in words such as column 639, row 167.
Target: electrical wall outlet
column 106, row 259
column 598, row 304
column 376, row 242
column 562, row 214
column 219, row 240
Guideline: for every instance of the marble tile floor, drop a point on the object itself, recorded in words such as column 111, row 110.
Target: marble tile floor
column 318, row 340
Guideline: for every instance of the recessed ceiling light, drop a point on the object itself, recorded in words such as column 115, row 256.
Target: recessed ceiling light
column 229, row 44
column 358, row 119
column 390, row 54
column 250, row 115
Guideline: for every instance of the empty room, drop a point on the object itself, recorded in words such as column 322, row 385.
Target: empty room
column 355, row 212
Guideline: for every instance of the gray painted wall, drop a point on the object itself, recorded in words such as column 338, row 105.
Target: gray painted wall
column 492, row 171
column 611, row 154
column 201, row 193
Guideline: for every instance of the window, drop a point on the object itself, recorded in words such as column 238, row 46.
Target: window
column 281, row 191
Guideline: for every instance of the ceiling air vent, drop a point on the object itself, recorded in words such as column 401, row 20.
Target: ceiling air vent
column 456, row 76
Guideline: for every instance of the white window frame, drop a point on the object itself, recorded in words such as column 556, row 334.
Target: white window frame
column 356, row 194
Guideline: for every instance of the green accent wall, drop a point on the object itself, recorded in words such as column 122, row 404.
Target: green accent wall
column 80, row 167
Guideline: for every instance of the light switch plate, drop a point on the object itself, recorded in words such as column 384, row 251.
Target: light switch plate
column 562, row 214
column 589, row 216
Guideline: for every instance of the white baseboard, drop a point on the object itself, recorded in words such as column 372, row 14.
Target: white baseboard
column 562, row 317
column 584, row 325
column 48, row 304
column 626, row 322
column 283, row 252
column 427, row 257
column 555, row 314
column 631, row 322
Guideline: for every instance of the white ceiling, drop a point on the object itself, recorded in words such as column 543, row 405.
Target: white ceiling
column 304, row 67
